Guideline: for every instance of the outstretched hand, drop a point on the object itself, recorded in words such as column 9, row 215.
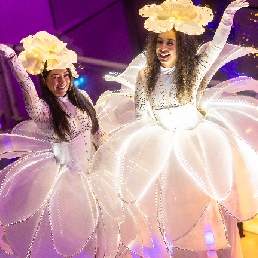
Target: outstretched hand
column 6, row 51
column 231, row 9
column 235, row 6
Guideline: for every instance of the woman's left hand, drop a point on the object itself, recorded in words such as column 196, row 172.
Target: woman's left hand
column 235, row 6
column 231, row 9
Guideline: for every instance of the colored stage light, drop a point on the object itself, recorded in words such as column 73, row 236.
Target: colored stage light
column 81, row 81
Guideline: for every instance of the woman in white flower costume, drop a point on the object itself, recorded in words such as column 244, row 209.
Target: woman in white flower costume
column 189, row 160
column 49, row 207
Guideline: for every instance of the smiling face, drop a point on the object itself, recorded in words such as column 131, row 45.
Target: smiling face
column 58, row 82
column 166, row 48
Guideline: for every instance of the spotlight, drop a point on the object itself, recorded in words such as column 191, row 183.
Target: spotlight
column 209, row 238
column 81, row 81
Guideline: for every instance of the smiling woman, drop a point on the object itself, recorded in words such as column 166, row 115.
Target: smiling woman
column 186, row 160
column 51, row 177
column 58, row 82
column 166, row 48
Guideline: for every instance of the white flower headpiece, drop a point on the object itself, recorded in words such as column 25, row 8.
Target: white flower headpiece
column 182, row 15
column 44, row 47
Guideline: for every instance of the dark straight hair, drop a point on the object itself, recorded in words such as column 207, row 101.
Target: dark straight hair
column 59, row 117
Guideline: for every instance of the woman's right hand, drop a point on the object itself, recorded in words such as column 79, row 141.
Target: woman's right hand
column 6, row 51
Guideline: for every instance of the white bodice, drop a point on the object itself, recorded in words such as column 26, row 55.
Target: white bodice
column 78, row 120
column 162, row 103
column 166, row 108
column 164, row 94
column 38, row 110
column 75, row 153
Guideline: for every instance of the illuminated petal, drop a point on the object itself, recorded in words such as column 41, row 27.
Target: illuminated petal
column 204, row 15
column 189, row 28
column 189, row 18
column 159, row 25
column 49, row 42
column 32, row 62
column 53, row 64
column 73, row 71
column 44, row 47
column 72, row 56
column 150, row 10
column 27, row 42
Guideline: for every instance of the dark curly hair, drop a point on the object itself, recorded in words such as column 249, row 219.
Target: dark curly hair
column 185, row 67
column 59, row 117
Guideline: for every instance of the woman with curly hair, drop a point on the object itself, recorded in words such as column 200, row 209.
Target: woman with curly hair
column 186, row 161
column 183, row 57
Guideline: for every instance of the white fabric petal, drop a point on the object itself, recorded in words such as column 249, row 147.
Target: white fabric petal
column 208, row 233
column 73, row 213
column 189, row 28
column 27, row 187
column 20, row 235
column 159, row 26
column 205, row 155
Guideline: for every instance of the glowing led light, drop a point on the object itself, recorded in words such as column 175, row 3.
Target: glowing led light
column 209, row 238
column 80, row 81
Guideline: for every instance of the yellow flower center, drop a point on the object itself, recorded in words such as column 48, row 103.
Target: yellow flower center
column 180, row 12
column 163, row 16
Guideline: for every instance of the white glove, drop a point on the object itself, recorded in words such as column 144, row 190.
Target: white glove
column 231, row 9
column 6, row 51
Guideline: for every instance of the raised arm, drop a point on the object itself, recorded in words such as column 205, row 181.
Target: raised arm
column 34, row 106
column 220, row 38
column 221, row 35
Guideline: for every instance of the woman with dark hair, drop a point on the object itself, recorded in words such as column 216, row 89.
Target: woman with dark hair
column 77, row 97
column 186, row 160
column 48, row 195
